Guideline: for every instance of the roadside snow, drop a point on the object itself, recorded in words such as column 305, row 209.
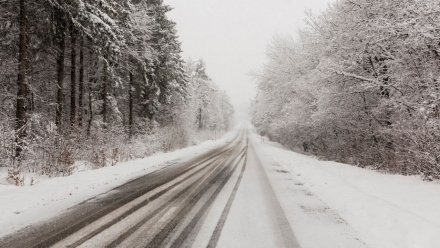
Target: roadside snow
column 386, row 211
column 22, row 206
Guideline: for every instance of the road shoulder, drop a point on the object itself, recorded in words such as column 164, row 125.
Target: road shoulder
column 314, row 223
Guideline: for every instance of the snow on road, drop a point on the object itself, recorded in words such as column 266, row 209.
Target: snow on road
column 283, row 197
column 336, row 205
column 22, row 206
column 256, row 218
column 247, row 212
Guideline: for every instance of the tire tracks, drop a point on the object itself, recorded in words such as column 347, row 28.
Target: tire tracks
column 221, row 222
column 89, row 211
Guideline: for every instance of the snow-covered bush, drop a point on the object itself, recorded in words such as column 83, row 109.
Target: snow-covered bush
column 7, row 156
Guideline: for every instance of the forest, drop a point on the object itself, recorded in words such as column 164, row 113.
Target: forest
column 360, row 85
column 97, row 81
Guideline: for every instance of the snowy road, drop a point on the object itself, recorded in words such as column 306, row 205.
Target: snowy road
column 242, row 191
column 222, row 198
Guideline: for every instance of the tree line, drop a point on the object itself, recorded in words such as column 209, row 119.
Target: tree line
column 359, row 84
column 82, row 77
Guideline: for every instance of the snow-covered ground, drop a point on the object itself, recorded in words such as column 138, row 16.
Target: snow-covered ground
column 335, row 205
column 327, row 204
column 22, row 206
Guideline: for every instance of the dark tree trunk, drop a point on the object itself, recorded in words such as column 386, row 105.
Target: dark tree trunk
column 60, row 37
column 81, row 84
column 200, row 119
column 149, row 106
column 92, row 78
column 130, row 107
column 105, row 95
column 89, row 124
column 73, row 76
column 20, row 119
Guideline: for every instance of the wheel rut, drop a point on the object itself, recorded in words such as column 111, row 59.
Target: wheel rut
column 172, row 191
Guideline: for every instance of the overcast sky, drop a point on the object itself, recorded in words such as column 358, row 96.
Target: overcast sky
column 232, row 36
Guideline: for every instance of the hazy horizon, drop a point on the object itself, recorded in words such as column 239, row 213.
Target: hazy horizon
column 231, row 37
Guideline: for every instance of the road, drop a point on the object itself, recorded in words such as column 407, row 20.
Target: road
column 222, row 198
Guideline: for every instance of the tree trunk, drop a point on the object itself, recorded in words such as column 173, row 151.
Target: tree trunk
column 73, row 76
column 21, row 109
column 149, row 106
column 130, row 107
column 92, row 78
column 60, row 37
column 81, row 84
column 89, row 124
column 105, row 95
column 200, row 119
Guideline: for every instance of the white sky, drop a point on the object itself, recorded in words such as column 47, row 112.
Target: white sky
column 232, row 36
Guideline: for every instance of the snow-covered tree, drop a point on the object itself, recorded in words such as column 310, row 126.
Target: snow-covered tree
column 358, row 85
column 82, row 78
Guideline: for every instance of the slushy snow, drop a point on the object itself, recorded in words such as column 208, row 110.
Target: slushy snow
column 28, row 205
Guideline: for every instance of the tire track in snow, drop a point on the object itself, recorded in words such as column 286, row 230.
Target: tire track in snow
column 221, row 222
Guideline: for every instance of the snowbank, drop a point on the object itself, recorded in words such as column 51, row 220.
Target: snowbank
column 22, row 206
column 387, row 211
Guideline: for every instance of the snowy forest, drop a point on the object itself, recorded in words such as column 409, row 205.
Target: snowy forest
column 98, row 81
column 360, row 85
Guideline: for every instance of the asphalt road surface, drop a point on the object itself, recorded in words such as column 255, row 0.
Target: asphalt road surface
column 219, row 199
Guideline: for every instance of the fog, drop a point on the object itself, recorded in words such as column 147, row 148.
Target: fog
column 232, row 36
